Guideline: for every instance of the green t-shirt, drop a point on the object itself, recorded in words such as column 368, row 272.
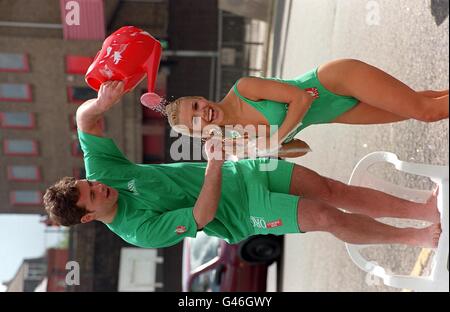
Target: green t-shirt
column 155, row 203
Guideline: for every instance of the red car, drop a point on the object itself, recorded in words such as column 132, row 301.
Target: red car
column 210, row 264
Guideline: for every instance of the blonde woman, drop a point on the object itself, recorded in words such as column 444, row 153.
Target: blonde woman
column 343, row 91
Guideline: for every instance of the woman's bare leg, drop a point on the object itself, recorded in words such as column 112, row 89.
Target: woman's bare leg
column 376, row 88
column 361, row 200
column 361, row 229
column 365, row 114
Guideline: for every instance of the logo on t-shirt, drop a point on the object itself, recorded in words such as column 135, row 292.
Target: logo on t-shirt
column 132, row 187
column 260, row 223
column 180, row 229
column 313, row 92
column 274, row 224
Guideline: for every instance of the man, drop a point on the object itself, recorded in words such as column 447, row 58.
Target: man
column 158, row 205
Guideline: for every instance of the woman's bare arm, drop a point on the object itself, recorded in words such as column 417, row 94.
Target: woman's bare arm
column 298, row 100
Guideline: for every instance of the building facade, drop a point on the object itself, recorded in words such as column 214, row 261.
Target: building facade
column 42, row 66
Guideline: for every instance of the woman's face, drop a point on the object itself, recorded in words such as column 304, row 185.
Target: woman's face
column 196, row 113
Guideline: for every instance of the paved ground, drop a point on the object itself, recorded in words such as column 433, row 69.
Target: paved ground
column 408, row 39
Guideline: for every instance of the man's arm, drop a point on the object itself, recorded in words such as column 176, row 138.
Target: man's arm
column 90, row 112
column 208, row 200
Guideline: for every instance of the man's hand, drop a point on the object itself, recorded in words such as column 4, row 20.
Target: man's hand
column 109, row 94
column 91, row 111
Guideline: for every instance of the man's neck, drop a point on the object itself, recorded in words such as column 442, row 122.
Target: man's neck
column 110, row 215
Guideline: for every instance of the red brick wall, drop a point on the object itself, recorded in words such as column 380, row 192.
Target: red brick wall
column 56, row 269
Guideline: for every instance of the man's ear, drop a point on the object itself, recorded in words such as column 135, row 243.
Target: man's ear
column 88, row 217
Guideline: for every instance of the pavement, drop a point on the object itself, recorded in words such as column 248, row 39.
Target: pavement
column 409, row 40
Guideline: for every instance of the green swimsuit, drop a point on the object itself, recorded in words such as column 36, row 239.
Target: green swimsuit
column 327, row 107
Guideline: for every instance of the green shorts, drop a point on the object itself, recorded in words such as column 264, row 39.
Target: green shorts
column 272, row 209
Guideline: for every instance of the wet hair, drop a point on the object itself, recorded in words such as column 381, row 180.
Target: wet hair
column 173, row 117
column 60, row 202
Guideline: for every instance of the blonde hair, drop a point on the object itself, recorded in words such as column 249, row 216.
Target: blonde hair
column 173, row 117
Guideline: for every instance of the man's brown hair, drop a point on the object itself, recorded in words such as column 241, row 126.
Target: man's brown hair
column 60, row 202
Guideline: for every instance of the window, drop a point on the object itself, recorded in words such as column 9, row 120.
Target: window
column 76, row 149
column 16, row 92
column 73, row 122
column 17, row 120
column 20, row 198
column 206, row 281
column 78, row 64
column 24, row 173
column 79, row 173
column 20, row 147
column 14, row 62
column 153, row 148
column 80, row 94
column 203, row 250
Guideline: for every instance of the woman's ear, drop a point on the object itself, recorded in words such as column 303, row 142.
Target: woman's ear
column 88, row 217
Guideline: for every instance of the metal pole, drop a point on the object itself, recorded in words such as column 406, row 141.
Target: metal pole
column 30, row 25
column 211, row 79
column 219, row 60
column 190, row 53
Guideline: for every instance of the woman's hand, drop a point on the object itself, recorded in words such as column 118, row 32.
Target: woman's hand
column 236, row 148
column 241, row 148
column 214, row 151
column 294, row 116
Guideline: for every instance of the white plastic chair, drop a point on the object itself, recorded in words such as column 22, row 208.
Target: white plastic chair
column 438, row 280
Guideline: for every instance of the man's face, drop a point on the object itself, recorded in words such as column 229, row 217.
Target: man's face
column 96, row 197
column 196, row 113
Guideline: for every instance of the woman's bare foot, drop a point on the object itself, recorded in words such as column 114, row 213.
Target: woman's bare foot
column 431, row 210
column 429, row 237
